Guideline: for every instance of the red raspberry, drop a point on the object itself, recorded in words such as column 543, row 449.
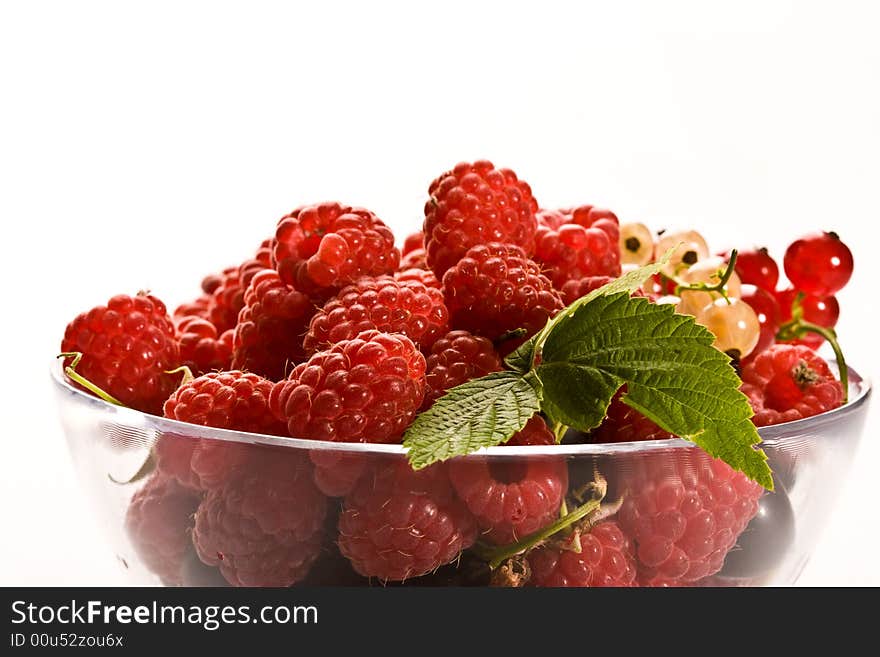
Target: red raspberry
column 158, row 524
column 398, row 524
column 552, row 218
column 512, row 498
column 224, row 400
column 424, row 276
column 227, row 300
column 456, row 358
column 127, row 347
column 385, row 304
column 623, row 424
column 475, row 204
column 413, row 242
column 264, row 527
column 201, row 349
column 364, row 390
column 321, row 248
column 684, row 511
column 575, row 289
column 271, row 326
column 789, row 382
column 606, row 558
column 417, row 259
column 196, row 308
column 582, row 248
column 495, row 289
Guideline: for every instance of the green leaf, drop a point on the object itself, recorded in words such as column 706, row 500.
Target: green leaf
column 480, row 413
column 521, row 360
column 673, row 375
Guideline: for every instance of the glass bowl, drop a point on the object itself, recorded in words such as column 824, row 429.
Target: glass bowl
column 667, row 498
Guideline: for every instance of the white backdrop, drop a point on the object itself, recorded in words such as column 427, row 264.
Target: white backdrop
column 142, row 147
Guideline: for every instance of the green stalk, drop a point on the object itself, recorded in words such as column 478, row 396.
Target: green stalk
column 72, row 374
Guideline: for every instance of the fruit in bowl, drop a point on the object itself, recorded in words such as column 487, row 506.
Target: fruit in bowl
column 523, row 397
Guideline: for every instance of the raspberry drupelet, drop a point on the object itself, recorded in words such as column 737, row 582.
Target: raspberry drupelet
column 268, row 337
column 789, row 382
column 511, row 498
column 495, row 289
column 158, row 523
column 263, row 527
column 475, row 204
column 321, row 248
column 606, row 558
column 385, row 304
column 366, row 389
column 127, row 348
column 398, row 523
column 456, row 358
column 623, row 424
column 683, row 511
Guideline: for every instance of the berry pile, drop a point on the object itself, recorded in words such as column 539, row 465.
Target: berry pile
column 329, row 332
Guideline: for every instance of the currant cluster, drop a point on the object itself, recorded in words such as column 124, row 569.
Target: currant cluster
column 330, row 332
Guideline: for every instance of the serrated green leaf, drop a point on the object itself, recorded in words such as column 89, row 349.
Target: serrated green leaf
column 672, row 372
column 521, row 360
column 480, row 413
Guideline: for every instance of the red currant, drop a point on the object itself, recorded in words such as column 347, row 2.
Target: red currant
column 823, row 312
column 767, row 310
column 756, row 267
column 818, row 264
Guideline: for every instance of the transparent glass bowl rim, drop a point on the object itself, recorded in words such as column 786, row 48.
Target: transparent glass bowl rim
column 860, row 391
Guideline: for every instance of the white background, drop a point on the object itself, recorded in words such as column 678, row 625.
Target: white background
column 142, row 147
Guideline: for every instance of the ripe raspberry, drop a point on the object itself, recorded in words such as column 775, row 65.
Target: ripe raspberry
column 225, row 400
column 321, row 248
column 512, row 498
column 684, row 511
column 127, row 347
column 264, row 527
column 606, row 559
column 580, row 248
column 271, row 326
column 158, row 524
column 399, row 524
column 227, row 300
column 456, row 358
column 424, row 276
column 201, row 349
column 417, row 259
column 195, row 308
column 367, row 389
column 385, row 304
column 475, row 204
column 789, row 382
column 575, row 289
column 413, row 242
column 495, row 289
column 623, row 424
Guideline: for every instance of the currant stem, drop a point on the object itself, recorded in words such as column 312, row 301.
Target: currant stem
column 72, row 374
column 497, row 556
column 719, row 286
